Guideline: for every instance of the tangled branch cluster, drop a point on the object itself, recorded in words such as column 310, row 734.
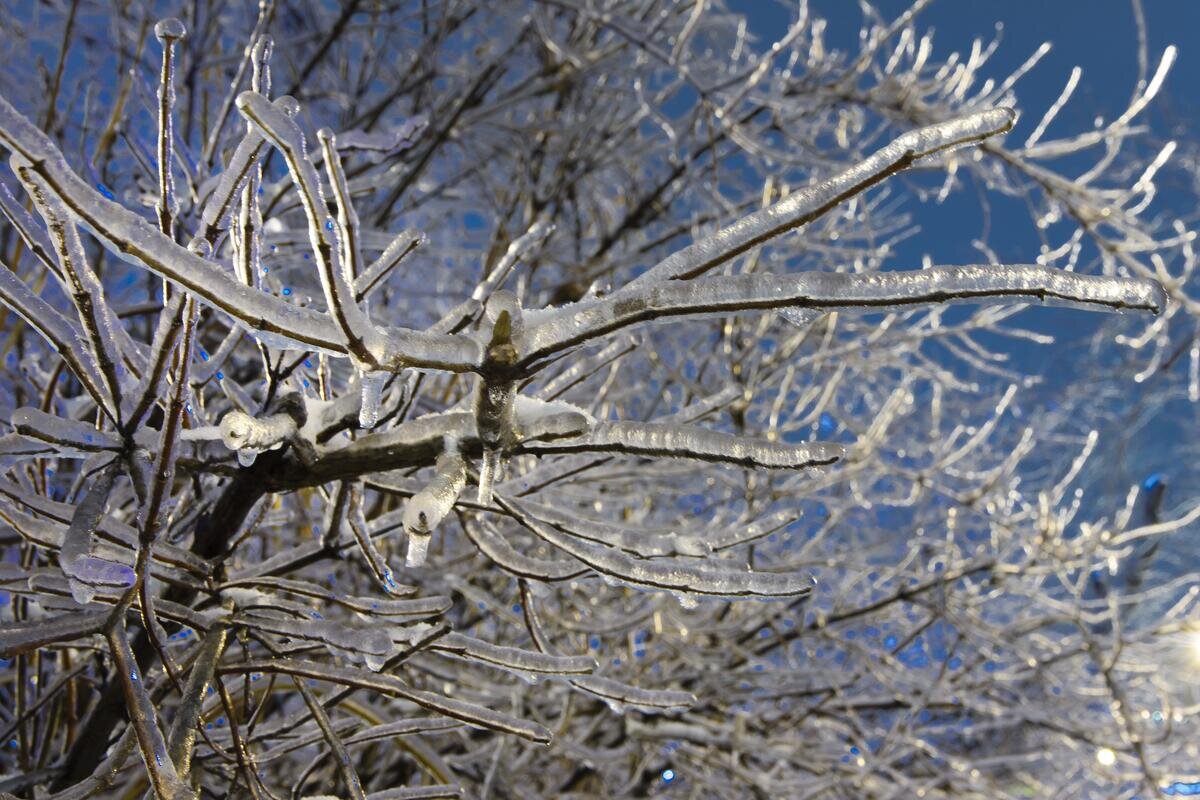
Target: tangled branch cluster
column 323, row 512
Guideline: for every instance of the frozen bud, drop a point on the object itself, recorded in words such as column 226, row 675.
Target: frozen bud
column 501, row 304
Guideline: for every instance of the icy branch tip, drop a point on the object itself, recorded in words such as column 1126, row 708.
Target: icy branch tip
column 254, row 103
column 1156, row 295
column 170, row 28
column 955, row 133
column 262, row 48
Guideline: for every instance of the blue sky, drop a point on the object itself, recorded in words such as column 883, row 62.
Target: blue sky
column 1100, row 36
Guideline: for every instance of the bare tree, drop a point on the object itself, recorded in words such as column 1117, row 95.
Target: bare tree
column 524, row 399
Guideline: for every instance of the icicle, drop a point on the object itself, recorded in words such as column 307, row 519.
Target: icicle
column 428, row 507
column 489, row 466
column 371, row 385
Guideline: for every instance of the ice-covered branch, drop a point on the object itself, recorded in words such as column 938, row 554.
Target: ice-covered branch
column 533, row 238
column 66, row 435
column 248, row 436
column 65, row 338
column 551, row 331
column 79, row 565
column 168, row 31
column 364, row 344
column 99, row 322
column 351, row 254
column 707, row 577
column 393, row 255
column 806, row 205
column 144, row 719
column 242, row 165
column 387, row 684
column 133, row 238
column 689, row 441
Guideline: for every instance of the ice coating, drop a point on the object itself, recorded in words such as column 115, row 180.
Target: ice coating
column 514, row 658
column 520, row 247
column 17, row 638
column 240, row 431
column 364, row 342
column 375, row 560
column 170, row 28
column 689, row 441
column 97, row 320
column 694, row 576
column 144, row 717
column 81, row 568
column 620, row 695
column 469, row 713
column 63, row 433
column 387, row 141
column 992, row 283
column 428, row 507
column 336, row 634
column 351, row 255
column 132, row 238
column 553, row 425
column 803, row 206
column 499, row 551
column 394, row 254
column 632, row 539
column 242, row 163
column 31, row 233
column 58, row 331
